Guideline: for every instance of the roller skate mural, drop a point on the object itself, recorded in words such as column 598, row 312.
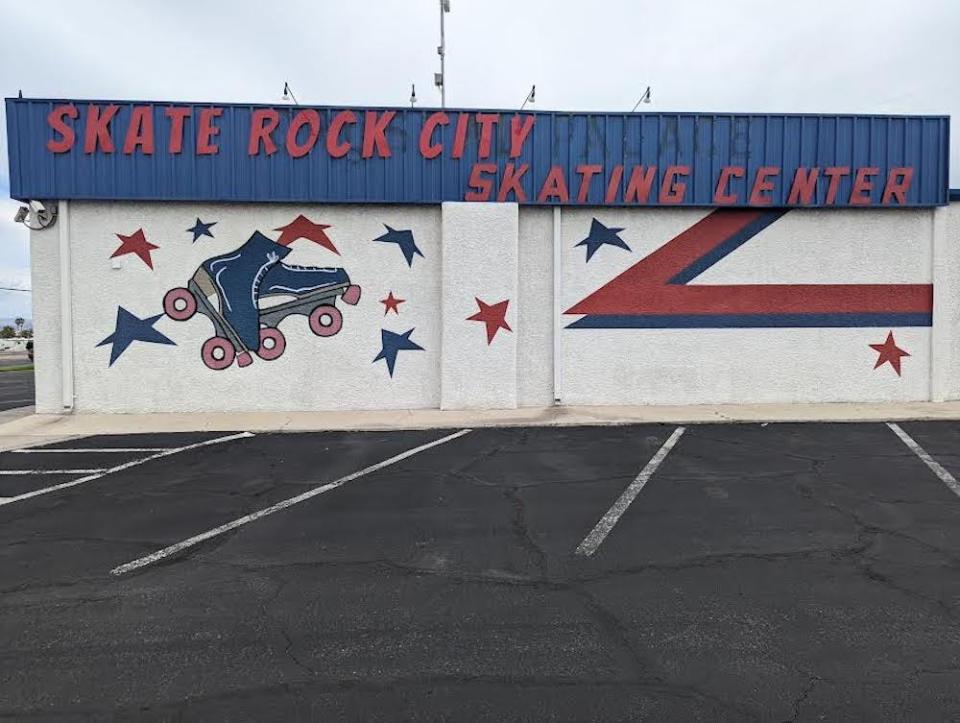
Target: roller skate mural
column 246, row 294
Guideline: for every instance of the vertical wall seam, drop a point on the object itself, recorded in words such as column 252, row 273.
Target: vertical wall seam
column 516, row 310
column 66, row 310
column 443, row 301
column 557, row 310
column 933, row 385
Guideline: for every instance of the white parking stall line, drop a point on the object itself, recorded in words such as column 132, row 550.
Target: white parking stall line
column 938, row 469
column 17, row 472
column 76, row 450
column 599, row 533
column 119, row 468
column 279, row 506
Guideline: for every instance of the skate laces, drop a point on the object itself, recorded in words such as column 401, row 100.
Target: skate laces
column 298, row 267
column 272, row 258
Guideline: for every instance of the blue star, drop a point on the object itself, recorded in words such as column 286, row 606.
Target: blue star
column 403, row 239
column 201, row 229
column 391, row 344
column 130, row 329
column 600, row 235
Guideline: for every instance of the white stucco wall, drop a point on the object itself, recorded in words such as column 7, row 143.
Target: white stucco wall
column 47, row 350
column 751, row 365
column 494, row 252
column 479, row 368
column 313, row 373
column 535, row 309
column 945, row 356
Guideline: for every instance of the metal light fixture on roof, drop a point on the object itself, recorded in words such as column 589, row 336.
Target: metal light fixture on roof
column 531, row 97
column 645, row 98
column 288, row 93
column 413, row 94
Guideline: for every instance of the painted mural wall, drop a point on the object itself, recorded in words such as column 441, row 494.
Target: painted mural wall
column 733, row 306
column 203, row 307
column 188, row 307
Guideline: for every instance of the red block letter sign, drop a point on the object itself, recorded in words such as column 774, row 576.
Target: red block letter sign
column 335, row 147
column 673, row 189
column 375, row 133
column 97, row 132
column 140, row 131
column 178, row 117
column 307, row 117
column 206, row 132
column 722, row 195
column 56, row 121
column 263, row 123
column 477, row 181
column 428, row 149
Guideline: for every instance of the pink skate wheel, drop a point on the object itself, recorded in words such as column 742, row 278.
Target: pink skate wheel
column 217, row 353
column 272, row 343
column 244, row 359
column 179, row 304
column 351, row 295
column 325, row 320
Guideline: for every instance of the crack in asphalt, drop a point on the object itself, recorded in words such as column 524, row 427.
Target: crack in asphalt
column 280, row 582
column 866, row 530
column 804, row 694
column 522, row 531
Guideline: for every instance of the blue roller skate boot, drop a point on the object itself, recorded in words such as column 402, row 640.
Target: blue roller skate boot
column 315, row 291
column 226, row 288
column 301, row 280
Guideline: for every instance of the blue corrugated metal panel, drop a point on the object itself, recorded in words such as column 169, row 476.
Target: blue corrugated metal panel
column 703, row 145
column 955, row 194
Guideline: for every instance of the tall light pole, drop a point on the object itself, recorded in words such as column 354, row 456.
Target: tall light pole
column 441, row 78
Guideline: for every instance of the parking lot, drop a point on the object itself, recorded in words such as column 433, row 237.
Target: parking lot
column 16, row 388
column 775, row 572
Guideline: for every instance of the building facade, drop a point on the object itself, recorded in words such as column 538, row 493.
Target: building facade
column 236, row 257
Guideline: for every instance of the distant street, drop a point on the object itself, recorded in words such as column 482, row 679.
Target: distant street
column 9, row 359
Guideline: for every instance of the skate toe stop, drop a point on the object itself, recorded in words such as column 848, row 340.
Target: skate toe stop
column 244, row 359
column 352, row 295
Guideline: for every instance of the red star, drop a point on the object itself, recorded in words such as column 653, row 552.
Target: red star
column 303, row 227
column 135, row 243
column 493, row 315
column 889, row 352
column 391, row 303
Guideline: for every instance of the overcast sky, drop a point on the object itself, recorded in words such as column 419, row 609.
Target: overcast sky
column 831, row 56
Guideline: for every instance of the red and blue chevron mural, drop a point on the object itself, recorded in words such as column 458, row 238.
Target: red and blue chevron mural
column 655, row 293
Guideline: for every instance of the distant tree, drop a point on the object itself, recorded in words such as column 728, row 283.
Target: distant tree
column 27, row 333
column 19, row 321
column 7, row 332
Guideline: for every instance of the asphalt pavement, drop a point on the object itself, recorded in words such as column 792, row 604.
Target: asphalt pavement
column 736, row 572
column 16, row 387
